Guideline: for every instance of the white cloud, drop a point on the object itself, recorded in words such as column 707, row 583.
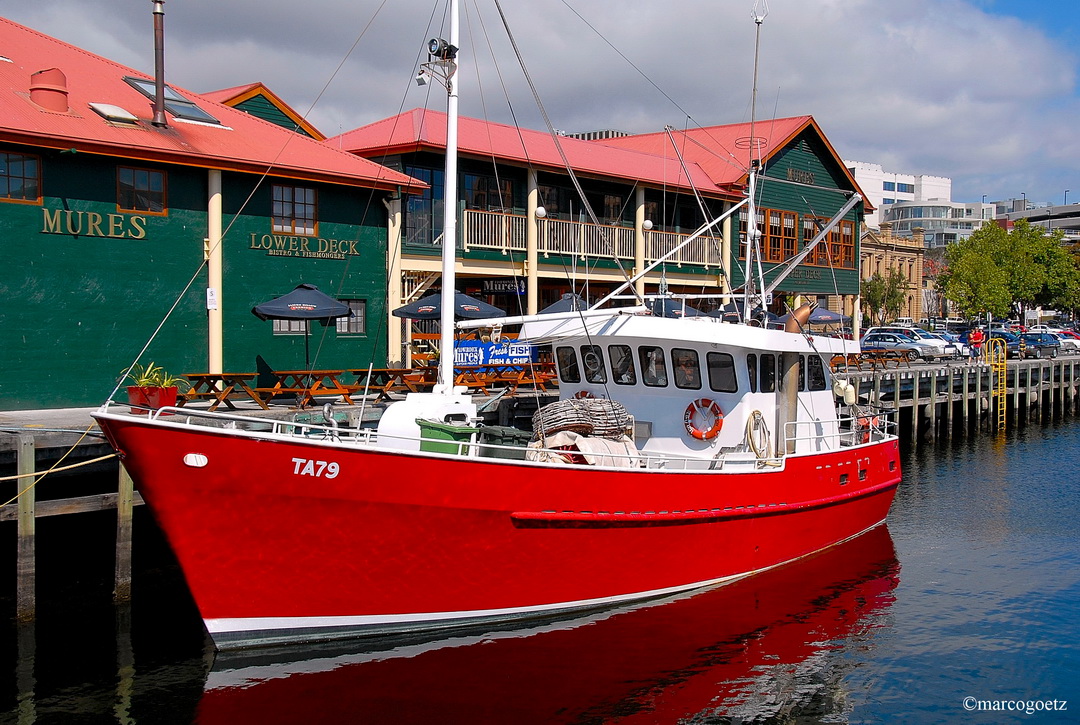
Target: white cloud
column 940, row 87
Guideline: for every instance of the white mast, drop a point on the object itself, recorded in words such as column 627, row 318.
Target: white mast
column 760, row 10
column 443, row 66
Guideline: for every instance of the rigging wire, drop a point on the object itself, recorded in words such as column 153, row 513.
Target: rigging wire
column 255, row 187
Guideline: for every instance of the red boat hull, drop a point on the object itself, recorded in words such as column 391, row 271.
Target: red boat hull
column 275, row 549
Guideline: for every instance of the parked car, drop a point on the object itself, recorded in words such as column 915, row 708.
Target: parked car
column 950, row 349
column 1012, row 342
column 1040, row 345
column 1070, row 341
column 910, row 347
column 955, row 349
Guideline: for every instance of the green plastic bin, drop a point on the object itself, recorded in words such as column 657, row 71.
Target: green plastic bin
column 504, row 435
column 439, row 437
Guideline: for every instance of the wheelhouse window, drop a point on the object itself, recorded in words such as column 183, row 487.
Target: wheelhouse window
column 622, row 364
column 568, row 365
column 294, row 209
column 751, row 371
column 592, row 357
column 356, row 323
column 767, row 375
column 140, row 190
column 722, row 377
column 817, row 373
column 653, row 366
column 687, row 372
column 20, row 177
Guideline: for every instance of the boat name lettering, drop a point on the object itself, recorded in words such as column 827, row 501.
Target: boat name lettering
column 800, row 176
column 308, row 467
column 92, row 224
column 286, row 245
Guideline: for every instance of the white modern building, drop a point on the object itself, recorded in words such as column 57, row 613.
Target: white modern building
column 942, row 221
column 885, row 188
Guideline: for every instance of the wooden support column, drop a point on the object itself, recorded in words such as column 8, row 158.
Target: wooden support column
column 933, row 405
column 25, row 599
column 124, row 503
column 1027, row 398
column 979, row 399
column 949, row 413
column 965, row 401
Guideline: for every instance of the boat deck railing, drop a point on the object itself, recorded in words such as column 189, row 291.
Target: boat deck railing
column 844, row 432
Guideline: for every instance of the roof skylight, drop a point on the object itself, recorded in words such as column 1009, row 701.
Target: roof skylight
column 175, row 104
column 114, row 113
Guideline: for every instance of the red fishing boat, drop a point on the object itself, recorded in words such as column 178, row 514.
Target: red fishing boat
column 683, row 453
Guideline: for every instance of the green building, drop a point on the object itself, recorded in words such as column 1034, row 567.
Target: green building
column 129, row 235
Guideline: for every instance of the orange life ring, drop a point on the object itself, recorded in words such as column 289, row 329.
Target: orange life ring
column 714, row 409
column 582, row 394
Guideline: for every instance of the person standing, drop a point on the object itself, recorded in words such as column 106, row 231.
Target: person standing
column 975, row 343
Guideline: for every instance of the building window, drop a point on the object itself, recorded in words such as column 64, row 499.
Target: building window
column 20, row 177
column 888, row 186
column 424, row 211
column 888, row 201
column 140, row 190
column 838, row 247
column 905, row 188
column 290, row 327
column 355, row 324
column 778, row 236
column 294, row 209
column 487, row 193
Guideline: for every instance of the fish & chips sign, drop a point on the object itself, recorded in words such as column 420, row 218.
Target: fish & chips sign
column 507, row 352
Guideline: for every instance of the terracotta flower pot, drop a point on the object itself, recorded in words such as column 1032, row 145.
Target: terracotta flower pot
column 142, row 398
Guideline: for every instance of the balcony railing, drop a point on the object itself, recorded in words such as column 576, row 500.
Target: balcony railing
column 506, row 233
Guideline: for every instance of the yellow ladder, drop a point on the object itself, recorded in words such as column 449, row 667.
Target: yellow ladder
column 996, row 357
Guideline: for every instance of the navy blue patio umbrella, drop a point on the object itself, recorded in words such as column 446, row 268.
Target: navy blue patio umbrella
column 465, row 308
column 305, row 302
column 822, row 316
column 671, row 307
column 569, row 302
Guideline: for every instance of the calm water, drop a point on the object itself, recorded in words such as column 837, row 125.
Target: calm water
column 972, row 591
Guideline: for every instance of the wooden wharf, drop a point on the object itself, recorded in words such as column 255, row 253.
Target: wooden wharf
column 930, row 402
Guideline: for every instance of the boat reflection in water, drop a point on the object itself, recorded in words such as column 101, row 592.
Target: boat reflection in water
column 760, row 646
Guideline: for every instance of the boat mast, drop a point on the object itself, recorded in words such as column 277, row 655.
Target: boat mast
column 444, row 66
column 753, row 234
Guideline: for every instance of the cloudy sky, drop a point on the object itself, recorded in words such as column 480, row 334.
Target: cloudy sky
column 982, row 91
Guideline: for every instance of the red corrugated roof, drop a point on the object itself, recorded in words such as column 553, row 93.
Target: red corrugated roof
column 242, row 143
column 724, row 151
column 420, row 129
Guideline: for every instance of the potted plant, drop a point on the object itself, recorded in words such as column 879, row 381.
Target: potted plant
column 152, row 387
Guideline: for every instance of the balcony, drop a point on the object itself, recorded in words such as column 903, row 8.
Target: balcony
column 505, row 233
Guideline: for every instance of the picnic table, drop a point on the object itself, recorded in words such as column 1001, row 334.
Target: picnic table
column 220, row 388
column 306, row 384
column 384, row 381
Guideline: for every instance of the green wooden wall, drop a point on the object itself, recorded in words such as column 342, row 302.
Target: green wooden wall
column 84, row 286
column 823, row 198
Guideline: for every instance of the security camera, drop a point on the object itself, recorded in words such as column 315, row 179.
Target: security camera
column 421, row 79
column 442, row 50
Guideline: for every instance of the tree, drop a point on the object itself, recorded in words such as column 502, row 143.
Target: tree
column 998, row 272
column 873, row 297
column 883, row 297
